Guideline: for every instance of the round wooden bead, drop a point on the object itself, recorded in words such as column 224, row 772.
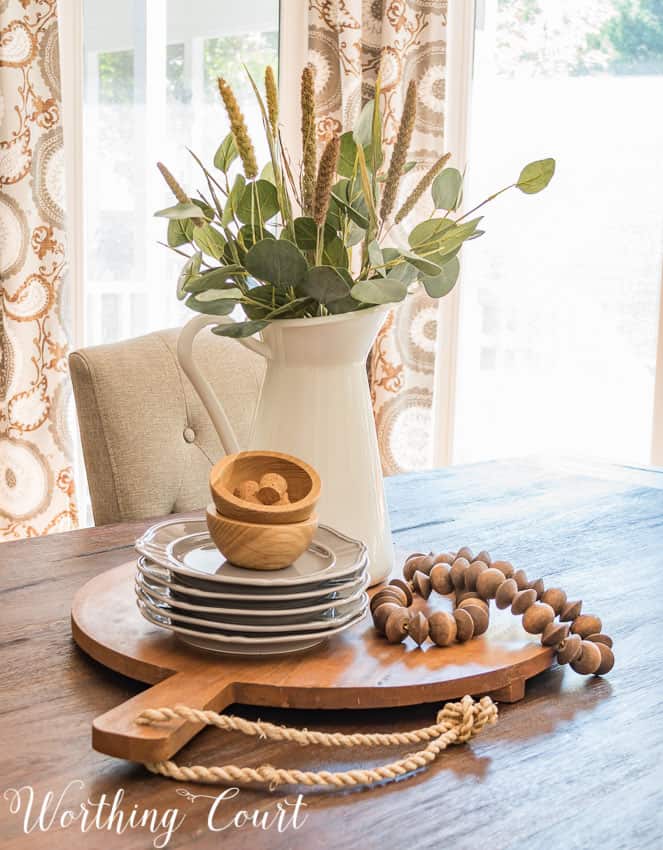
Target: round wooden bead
column 485, row 557
column 387, row 595
column 440, row 579
column 471, row 599
column 607, row 659
column 395, row 627
column 421, row 584
column 505, row 593
column 457, row 572
column 554, row 633
column 473, row 572
column 538, row 586
column 488, row 582
column 505, row 567
column 401, row 585
column 464, row 625
column 442, row 628
column 520, row 577
column 417, row 627
column 444, row 558
column 569, row 649
column 537, row 617
column 480, row 617
column 600, row 638
column 465, row 552
column 466, row 595
column 417, row 561
column 556, row 598
column 585, row 625
column 522, row 601
column 589, row 659
column 382, row 612
column 570, row 611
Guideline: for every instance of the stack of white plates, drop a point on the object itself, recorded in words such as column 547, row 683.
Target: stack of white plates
column 185, row 585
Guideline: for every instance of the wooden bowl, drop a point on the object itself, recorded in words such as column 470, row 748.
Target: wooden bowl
column 232, row 470
column 260, row 546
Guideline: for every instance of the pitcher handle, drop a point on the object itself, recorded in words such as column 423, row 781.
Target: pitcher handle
column 200, row 383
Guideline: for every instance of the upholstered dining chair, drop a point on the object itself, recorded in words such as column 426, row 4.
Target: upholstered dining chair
column 148, row 442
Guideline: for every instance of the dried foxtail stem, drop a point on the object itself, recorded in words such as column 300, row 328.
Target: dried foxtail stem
column 177, row 190
column 173, row 185
column 399, row 154
column 420, row 188
column 308, row 139
column 272, row 98
column 238, row 128
column 325, row 181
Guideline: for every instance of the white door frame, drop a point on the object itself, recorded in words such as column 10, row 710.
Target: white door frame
column 460, row 55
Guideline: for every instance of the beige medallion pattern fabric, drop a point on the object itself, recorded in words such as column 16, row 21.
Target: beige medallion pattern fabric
column 348, row 41
column 36, row 481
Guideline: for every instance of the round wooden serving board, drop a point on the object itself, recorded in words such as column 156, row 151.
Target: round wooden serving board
column 356, row 669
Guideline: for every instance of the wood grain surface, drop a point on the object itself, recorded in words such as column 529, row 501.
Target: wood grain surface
column 578, row 763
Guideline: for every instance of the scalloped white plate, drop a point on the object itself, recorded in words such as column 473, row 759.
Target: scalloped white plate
column 267, row 628
column 241, row 645
column 224, row 609
column 187, row 550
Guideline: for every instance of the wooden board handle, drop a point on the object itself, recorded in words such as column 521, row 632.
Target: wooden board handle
column 116, row 732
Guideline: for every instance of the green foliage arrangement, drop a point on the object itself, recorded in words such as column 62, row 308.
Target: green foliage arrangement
column 246, row 242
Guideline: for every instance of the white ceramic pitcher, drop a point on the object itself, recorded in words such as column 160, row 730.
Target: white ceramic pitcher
column 315, row 403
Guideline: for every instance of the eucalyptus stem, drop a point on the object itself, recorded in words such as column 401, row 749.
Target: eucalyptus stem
column 484, row 202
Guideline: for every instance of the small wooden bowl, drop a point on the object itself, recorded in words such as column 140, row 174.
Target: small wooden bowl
column 232, row 470
column 260, row 546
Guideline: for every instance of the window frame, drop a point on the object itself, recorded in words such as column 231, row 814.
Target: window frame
column 293, row 49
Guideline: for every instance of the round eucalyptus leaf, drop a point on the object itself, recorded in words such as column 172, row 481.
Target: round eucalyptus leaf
column 225, row 154
column 188, row 210
column 446, row 189
column 427, row 234
column 306, row 233
column 212, row 307
column 233, row 199
column 347, row 156
column 536, row 175
column 363, row 131
column 209, row 240
column 190, row 272
column 324, row 284
column 276, row 261
column 444, row 282
column 259, row 202
column 334, row 253
column 180, row 232
column 379, row 291
column 239, row 330
column 214, row 279
column 254, row 233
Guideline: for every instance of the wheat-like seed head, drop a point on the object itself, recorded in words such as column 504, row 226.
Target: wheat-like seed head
column 325, row 181
column 420, row 188
column 399, row 155
column 238, row 128
column 309, row 156
column 272, row 97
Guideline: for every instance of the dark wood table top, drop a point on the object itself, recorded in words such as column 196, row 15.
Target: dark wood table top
column 577, row 764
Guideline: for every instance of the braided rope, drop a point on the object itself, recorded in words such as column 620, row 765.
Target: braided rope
column 456, row 723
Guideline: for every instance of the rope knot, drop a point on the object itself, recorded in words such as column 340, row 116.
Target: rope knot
column 467, row 716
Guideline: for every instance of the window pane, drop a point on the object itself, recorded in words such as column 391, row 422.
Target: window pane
column 150, row 93
column 560, row 297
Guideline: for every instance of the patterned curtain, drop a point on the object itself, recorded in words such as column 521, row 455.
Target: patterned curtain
column 348, row 41
column 36, row 482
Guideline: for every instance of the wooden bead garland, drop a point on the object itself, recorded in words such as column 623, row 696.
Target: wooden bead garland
column 576, row 638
